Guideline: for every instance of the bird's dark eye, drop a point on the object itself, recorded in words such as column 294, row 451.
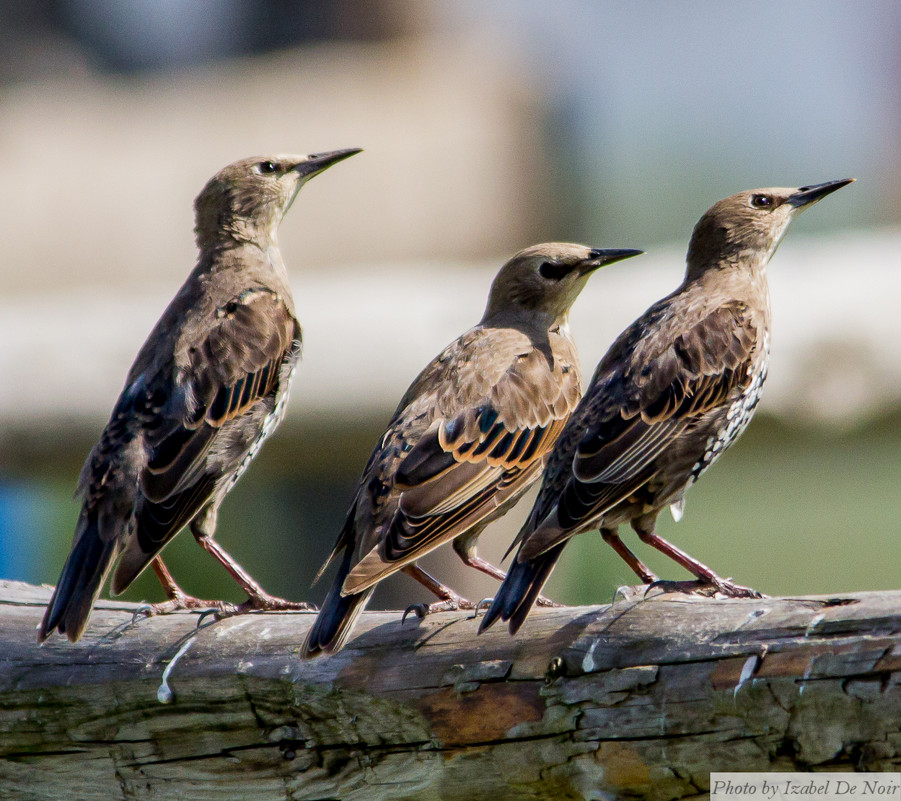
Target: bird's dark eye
column 267, row 167
column 762, row 201
column 553, row 271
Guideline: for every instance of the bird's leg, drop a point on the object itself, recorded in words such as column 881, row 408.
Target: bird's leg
column 707, row 579
column 450, row 601
column 611, row 537
column 172, row 590
column 258, row 599
column 178, row 598
column 466, row 550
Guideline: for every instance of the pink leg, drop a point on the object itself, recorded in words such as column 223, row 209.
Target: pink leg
column 645, row 530
column 611, row 537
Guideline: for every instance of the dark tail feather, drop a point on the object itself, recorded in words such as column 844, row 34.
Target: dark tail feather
column 337, row 616
column 517, row 594
column 79, row 583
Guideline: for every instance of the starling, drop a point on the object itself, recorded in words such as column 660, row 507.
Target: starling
column 673, row 392
column 469, row 436
column 208, row 386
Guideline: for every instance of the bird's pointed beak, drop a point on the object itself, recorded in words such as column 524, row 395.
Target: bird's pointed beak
column 316, row 163
column 600, row 258
column 808, row 195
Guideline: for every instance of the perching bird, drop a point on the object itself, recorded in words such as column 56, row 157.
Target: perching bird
column 208, row 386
column 673, row 392
column 468, row 438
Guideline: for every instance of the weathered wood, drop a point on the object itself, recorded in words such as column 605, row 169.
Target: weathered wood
column 640, row 699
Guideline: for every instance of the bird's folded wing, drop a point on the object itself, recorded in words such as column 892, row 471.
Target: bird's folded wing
column 466, row 466
column 230, row 367
column 652, row 400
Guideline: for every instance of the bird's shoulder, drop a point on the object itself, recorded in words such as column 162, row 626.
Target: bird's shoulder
column 525, row 380
column 224, row 301
column 683, row 341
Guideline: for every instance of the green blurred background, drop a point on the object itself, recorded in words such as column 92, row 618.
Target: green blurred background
column 487, row 127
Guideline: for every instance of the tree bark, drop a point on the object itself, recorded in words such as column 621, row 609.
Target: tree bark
column 641, row 699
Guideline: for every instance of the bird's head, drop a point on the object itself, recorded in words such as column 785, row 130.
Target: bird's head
column 246, row 200
column 539, row 284
column 748, row 227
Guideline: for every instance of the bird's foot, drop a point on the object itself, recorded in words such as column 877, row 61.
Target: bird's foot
column 689, row 586
column 447, row 605
column 220, row 610
column 629, row 592
column 182, row 602
column 707, row 587
column 547, row 602
column 263, row 602
column 256, row 603
column 730, row 589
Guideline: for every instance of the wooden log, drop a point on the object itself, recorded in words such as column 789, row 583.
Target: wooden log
column 642, row 699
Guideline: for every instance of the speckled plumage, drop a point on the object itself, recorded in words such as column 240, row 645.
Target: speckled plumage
column 207, row 387
column 470, row 435
column 672, row 393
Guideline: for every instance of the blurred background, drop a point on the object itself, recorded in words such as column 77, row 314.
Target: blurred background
column 487, row 127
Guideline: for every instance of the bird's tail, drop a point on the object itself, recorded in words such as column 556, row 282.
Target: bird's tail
column 523, row 584
column 80, row 582
column 337, row 615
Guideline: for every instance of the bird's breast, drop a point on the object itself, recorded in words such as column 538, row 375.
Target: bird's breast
column 738, row 413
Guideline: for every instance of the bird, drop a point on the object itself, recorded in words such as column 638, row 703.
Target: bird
column 468, row 438
column 208, row 386
column 675, row 389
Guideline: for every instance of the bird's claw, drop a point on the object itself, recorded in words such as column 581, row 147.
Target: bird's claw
column 485, row 603
column 143, row 609
column 420, row 610
column 629, row 591
column 451, row 604
column 214, row 613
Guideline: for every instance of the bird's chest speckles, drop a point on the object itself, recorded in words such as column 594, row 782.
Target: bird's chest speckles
column 271, row 420
column 738, row 415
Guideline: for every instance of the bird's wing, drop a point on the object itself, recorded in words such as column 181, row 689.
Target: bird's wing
column 468, row 463
column 229, row 366
column 638, row 404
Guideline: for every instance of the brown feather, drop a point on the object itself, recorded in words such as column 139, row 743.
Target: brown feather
column 664, row 382
column 493, row 404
